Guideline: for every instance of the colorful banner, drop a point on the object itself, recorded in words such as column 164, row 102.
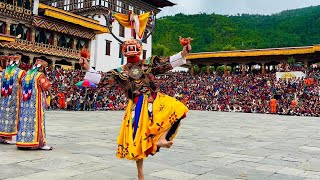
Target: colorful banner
column 288, row 75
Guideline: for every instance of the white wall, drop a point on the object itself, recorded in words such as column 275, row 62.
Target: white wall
column 99, row 59
column 103, row 62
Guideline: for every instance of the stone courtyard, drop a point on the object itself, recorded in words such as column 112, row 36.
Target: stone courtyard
column 209, row 146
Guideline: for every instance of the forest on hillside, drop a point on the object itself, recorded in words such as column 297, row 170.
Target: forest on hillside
column 213, row 32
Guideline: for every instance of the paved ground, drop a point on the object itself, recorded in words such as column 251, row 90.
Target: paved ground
column 210, row 145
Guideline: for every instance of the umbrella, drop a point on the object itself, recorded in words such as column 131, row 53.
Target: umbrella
column 86, row 84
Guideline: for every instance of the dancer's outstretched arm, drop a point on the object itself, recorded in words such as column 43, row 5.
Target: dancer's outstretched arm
column 91, row 74
column 109, row 79
column 180, row 58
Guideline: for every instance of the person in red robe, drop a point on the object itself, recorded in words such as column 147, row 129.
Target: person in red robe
column 61, row 100
column 293, row 104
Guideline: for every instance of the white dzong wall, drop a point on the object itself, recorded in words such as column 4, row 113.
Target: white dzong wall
column 99, row 59
column 35, row 7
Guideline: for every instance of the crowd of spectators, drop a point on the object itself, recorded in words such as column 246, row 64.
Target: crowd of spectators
column 250, row 93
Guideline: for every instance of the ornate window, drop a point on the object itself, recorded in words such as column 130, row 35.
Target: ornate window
column 121, row 30
column 2, row 28
column 145, row 35
column 80, row 44
column 144, row 56
column 108, row 47
column 19, row 30
column 43, row 36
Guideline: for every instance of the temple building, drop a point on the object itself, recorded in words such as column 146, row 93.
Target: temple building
column 35, row 30
column 57, row 30
column 105, row 50
column 246, row 60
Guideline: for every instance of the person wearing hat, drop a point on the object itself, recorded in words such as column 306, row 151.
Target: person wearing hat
column 10, row 98
column 32, row 131
column 3, row 63
column 152, row 119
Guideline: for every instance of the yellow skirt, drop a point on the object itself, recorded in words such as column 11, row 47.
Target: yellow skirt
column 138, row 137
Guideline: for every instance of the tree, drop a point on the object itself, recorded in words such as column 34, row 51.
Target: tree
column 160, row 50
column 228, row 48
column 204, row 69
column 220, row 68
column 213, row 32
column 212, row 69
column 291, row 60
column 196, row 69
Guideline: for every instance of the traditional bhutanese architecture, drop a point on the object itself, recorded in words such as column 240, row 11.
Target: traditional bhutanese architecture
column 105, row 50
column 265, row 58
column 36, row 30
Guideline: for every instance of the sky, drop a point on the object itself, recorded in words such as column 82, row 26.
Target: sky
column 232, row 7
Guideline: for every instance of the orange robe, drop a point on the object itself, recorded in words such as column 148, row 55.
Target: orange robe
column 293, row 104
column 273, row 106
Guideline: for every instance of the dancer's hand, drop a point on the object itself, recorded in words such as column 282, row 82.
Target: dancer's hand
column 84, row 63
column 186, row 50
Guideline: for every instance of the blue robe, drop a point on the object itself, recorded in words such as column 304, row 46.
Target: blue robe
column 10, row 104
column 31, row 128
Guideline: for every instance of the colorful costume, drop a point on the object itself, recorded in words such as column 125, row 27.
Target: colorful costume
column 152, row 118
column 10, row 100
column 149, row 113
column 31, row 129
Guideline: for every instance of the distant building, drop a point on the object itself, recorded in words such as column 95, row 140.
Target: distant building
column 35, row 30
column 105, row 50
column 264, row 60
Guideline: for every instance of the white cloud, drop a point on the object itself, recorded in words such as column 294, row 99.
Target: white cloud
column 232, row 7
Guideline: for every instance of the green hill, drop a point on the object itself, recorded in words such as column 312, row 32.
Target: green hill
column 212, row 32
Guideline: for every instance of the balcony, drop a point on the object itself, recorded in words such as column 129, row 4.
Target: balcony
column 21, row 11
column 40, row 48
column 123, row 6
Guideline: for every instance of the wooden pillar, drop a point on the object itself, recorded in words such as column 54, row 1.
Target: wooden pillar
column 8, row 24
column 192, row 70
column 53, row 63
column 225, row 70
column 306, row 64
column 262, row 69
column 55, row 39
column 33, row 35
column 74, row 46
column 31, row 57
column 243, row 69
column 208, row 69
column 73, row 65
